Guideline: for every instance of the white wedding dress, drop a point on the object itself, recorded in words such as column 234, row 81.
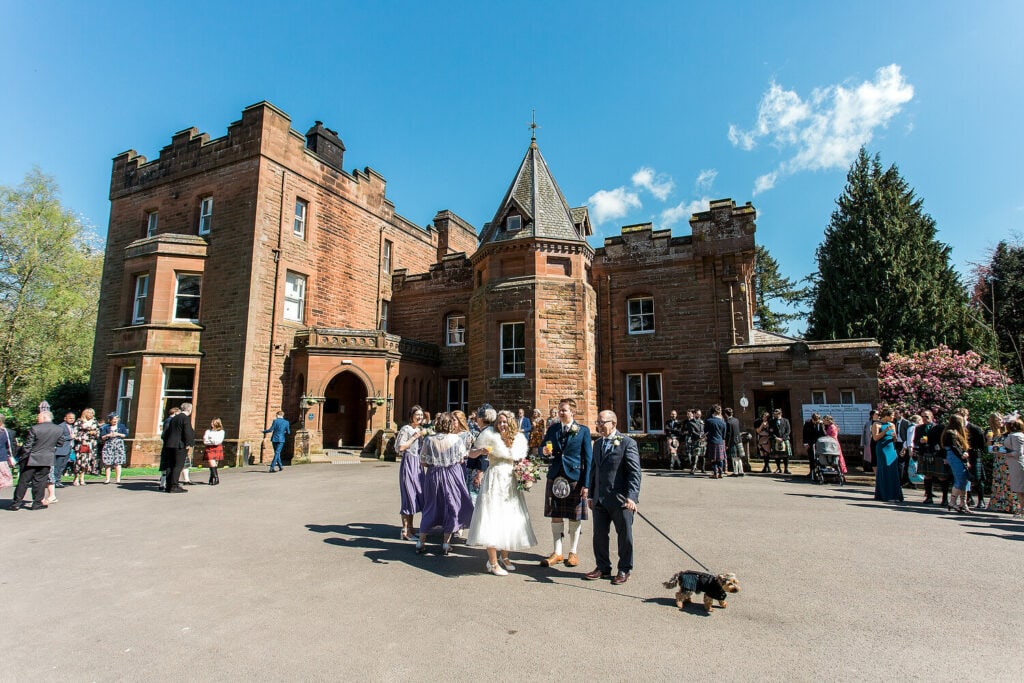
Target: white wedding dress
column 501, row 519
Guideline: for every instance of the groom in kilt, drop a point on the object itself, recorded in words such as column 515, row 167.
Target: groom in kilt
column 570, row 448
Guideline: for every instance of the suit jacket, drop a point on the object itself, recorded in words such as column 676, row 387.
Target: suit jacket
column 571, row 453
column 65, row 448
column 615, row 471
column 42, row 440
column 813, row 432
column 178, row 434
column 732, row 432
column 8, row 442
column 779, row 428
column 279, row 430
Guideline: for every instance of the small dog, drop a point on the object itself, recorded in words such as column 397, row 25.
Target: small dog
column 713, row 587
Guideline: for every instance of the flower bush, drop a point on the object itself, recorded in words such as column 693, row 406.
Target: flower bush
column 937, row 380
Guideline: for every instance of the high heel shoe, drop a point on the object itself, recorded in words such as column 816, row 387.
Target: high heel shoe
column 964, row 510
column 507, row 564
column 496, row 569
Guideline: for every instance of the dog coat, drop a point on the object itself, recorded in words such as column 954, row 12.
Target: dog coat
column 701, row 582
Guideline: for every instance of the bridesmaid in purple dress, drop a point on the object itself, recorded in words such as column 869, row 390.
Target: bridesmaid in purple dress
column 447, row 506
column 410, row 475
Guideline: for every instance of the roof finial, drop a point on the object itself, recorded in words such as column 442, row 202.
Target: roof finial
column 533, row 128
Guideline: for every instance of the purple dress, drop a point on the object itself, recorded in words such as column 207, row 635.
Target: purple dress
column 447, row 506
column 410, row 475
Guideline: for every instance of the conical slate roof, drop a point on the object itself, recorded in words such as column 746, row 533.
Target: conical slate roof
column 534, row 195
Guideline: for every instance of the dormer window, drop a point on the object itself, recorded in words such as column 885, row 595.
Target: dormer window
column 513, row 223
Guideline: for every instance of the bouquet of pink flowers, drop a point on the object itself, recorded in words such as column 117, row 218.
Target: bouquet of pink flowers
column 526, row 473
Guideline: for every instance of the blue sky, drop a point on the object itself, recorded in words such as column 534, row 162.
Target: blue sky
column 645, row 112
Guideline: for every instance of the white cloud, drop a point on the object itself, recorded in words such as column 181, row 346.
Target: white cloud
column 606, row 205
column 765, row 182
column 826, row 130
column 658, row 184
column 705, row 179
column 683, row 210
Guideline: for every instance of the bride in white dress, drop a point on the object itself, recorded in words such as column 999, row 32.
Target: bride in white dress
column 501, row 520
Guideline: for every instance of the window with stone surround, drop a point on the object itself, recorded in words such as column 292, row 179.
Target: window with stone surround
column 455, row 326
column 644, row 404
column 385, row 313
column 294, row 296
column 640, row 311
column 299, row 227
column 513, row 349
column 205, row 215
column 386, row 258
column 186, row 298
column 458, row 394
column 177, row 389
column 847, row 396
column 818, row 397
column 141, row 296
column 125, row 393
column 152, row 220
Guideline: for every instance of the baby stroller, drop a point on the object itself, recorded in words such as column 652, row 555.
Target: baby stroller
column 826, row 453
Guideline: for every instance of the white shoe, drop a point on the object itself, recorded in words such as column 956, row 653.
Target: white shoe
column 496, row 569
column 507, row 564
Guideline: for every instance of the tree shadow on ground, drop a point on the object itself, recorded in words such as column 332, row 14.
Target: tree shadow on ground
column 979, row 519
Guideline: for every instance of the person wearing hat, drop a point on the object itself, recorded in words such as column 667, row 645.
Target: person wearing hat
column 112, row 453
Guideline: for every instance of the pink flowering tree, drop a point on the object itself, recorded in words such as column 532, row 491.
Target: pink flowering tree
column 937, row 379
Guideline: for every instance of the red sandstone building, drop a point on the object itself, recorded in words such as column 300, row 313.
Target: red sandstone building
column 251, row 273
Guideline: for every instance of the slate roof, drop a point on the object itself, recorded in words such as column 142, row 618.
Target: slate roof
column 534, row 195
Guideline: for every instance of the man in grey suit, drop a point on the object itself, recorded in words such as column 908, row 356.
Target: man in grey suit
column 43, row 439
column 614, row 492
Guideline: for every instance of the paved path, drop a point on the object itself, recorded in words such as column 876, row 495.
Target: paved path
column 301, row 576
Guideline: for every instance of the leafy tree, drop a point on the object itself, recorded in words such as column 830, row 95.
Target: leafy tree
column 999, row 299
column 50, row 267
column 938, row 379
column 770, row 286
column 881, row 272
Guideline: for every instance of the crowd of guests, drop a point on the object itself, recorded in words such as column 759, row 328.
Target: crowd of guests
column 963, row 458
column 81, row 446
column 470, row 477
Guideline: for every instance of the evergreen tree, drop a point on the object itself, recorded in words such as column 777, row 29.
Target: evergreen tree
column 881, row 272
column 50, row 266
column 770, row 286
column 999, row 300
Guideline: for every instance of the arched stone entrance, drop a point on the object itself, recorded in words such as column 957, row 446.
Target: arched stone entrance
column 344, row 412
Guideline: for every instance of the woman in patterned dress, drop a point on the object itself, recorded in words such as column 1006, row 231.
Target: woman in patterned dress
column 112, row 437
column 1000, row 498
column 87, row 434
column 537, row 430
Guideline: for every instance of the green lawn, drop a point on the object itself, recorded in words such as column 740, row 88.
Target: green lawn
column 125, row 472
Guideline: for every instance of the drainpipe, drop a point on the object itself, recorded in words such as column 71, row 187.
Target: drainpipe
column 273, row 313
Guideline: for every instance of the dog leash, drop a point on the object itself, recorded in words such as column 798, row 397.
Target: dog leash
column 622, row 499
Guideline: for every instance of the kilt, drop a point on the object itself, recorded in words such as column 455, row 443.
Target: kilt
column 573, row 507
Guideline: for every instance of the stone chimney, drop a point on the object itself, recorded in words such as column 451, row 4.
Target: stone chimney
column 326, row 144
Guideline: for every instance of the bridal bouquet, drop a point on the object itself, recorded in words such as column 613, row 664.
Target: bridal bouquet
column 526, row 473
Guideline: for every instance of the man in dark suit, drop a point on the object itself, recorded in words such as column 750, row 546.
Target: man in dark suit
column 43, row 439
column 780, row 431
column 813, row 430
column 178, row 437
column 615, row 483
column 569, row 445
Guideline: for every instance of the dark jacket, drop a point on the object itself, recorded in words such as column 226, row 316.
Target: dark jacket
column 732, row 432
column 42, row 440
column 674, row 428
column 714, row 429
column 570, row 453
column 812, row 432
column 779, row 428
column 694, row 430
column 65, row 448
column 615, row 472
column 8, row 444
column 178, row 434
